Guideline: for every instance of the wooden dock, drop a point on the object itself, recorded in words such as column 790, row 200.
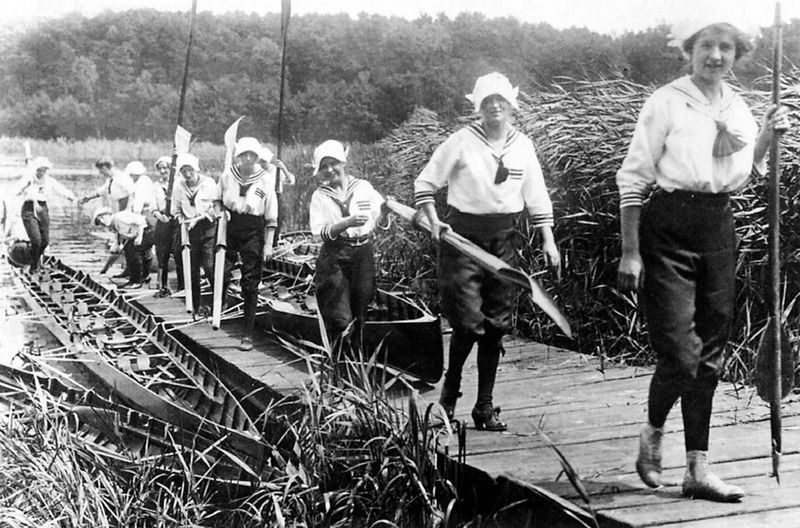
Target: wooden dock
column 592, row 412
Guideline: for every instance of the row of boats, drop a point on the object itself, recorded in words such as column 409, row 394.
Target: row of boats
column 157, row 398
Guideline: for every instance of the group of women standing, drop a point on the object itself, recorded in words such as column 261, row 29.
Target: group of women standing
column 695, row 142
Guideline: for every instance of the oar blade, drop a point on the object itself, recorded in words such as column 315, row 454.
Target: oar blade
column 539, row 297
column 765, row 378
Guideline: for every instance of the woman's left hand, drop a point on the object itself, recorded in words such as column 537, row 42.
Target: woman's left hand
column 776, row 119
column 552, row 257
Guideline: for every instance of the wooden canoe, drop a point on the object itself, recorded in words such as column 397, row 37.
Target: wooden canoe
column 136, row 357
column 408, row 334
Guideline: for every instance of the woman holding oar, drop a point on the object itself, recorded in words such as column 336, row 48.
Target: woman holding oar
column 247, row 194
column 492, row 175
column 697, row 142
column 193, row 204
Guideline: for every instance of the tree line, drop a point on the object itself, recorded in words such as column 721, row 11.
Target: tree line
column 118, row 75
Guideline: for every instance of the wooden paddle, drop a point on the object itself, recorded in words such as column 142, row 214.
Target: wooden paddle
column 286, row 13
column 181, row 106
column 112, row 258
column 774, row 360
column 186, row 257
column 219, row 270
column 490, row 263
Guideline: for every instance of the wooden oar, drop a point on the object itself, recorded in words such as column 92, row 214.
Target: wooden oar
column 114, row 256
column 186, row 257
column 181, row 106
column 491, row 263
column 219, row 270
column 286, row 13
column 774, row 360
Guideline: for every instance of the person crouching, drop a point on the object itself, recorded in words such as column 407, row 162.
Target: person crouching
column 137, row 239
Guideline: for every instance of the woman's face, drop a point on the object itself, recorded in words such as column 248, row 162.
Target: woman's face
column 331, row 170
column 163, row 170
column 40, row 172
column 495, row 110
column 713, row 54
column 247, row 160
column 189, row 174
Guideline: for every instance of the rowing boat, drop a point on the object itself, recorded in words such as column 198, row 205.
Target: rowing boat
column 137, row 357
column 119, row 433
column 398, row 325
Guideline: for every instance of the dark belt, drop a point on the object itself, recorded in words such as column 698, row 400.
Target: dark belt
column 474, row 224
column 351, row 241
column 700, row 198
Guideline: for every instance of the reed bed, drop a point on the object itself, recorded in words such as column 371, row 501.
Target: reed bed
column 582, row 130
column 350, row 458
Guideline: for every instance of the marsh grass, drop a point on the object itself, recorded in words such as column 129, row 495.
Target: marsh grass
column 356, row 458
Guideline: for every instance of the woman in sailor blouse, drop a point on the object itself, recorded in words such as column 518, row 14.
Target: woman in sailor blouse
column 695, row 142
column 36, row 188
column 247, row 193
column 342, row 214
column 492, row 176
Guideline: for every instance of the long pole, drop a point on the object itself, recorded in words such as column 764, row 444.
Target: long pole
column 181, row 106
column 774, row 253
column 286, row 13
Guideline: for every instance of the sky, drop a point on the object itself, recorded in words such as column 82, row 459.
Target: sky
column 604, row 16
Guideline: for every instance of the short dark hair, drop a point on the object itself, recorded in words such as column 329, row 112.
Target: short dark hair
column 743, row 45
column 104, row 161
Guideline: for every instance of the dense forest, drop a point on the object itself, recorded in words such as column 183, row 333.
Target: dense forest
column 117, row 75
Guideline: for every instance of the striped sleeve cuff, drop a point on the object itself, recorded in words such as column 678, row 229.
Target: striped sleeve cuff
column 326, row 234
column 542, row 220
column 631, row 199
column 422, row 197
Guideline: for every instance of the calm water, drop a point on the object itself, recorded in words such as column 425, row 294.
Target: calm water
column 73, row 238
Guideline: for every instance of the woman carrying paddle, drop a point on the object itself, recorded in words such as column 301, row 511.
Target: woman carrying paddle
column 36, row 188
column 492, row 175
column 342, row 214
column 193, row 203
column 696, row 141
column 246, row 192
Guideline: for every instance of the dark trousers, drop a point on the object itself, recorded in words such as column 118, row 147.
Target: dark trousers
column 246, row 240
column 138, row 257
column 344, row 282
column 689, row 253
column 478, row 305
column 167, row 242
column 36, row 220
column 202, row 240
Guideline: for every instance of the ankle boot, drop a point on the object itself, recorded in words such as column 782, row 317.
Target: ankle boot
column 648, row 463
column 488, row 419
column 700, row 483
column 448, row 400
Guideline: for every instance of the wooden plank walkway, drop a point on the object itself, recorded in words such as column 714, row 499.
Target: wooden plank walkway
column 592, row 412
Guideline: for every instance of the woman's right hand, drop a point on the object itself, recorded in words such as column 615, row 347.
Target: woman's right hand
column 358, row 220
column 437, row 228
column 631, row 272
